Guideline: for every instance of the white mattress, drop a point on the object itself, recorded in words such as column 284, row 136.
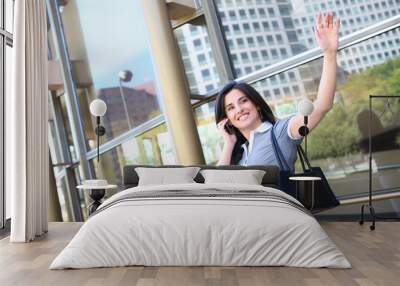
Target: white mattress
column 183, row 231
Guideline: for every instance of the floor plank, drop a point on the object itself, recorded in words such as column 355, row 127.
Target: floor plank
column 375, row 257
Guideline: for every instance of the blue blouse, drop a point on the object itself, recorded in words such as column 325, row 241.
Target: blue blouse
column 260, row 150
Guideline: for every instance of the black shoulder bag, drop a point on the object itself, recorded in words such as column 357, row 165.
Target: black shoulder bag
column 323, row 194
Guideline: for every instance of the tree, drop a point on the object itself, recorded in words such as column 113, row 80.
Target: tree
column 338, row 133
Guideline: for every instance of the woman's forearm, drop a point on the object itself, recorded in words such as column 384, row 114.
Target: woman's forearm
column 324, row 102
column 327, row 85
column 226, row 155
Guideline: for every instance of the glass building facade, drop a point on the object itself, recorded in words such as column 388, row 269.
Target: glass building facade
column 267, row 43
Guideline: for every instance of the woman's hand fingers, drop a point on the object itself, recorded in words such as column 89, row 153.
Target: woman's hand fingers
column 318, row 21
column 222, row 124
column 326, row 20
column 316, row 32
column 228, row 138
column 327, row 31
column 337, row 24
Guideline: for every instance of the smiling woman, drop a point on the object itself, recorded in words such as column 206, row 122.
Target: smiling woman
column 246, row 121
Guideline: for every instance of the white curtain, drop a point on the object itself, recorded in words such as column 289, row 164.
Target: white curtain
column 26, row 123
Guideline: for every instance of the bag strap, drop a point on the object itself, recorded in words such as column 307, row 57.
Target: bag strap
column 303, row 157
column 284, row 166
column 275, row 149
column 281, row 159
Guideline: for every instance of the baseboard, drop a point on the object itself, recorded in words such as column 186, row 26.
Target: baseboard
column 389, row 216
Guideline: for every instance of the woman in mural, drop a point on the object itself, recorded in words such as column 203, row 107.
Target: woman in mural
column 245, row 120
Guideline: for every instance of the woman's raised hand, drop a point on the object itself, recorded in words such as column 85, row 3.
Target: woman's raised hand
column 229, row 139
column 327, row 32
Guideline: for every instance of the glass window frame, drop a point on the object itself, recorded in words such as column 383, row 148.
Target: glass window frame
column 6, row 42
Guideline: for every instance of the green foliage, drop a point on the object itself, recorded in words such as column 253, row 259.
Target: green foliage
column 338, row 133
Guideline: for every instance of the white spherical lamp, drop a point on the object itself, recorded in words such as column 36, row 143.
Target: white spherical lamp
column 305, row 107
column 98, row 107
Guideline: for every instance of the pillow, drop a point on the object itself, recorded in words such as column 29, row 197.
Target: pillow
column 249, row 177
column 163, row 176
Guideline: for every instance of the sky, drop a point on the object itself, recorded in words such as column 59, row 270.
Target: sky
column 115, row 37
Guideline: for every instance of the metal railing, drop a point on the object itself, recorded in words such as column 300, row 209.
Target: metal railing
column 392, row 193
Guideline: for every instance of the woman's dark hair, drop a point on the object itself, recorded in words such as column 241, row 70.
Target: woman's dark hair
column 255, row 98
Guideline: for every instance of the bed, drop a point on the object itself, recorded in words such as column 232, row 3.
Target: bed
column 201, row 224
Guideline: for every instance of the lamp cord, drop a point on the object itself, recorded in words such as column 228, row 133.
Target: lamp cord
column 98, row 140
column 305, row 144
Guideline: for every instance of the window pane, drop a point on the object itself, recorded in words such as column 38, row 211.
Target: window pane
column 151, row 148
column 105, row 39
column 54, row 147
column 197, row 56
column 339, row 145
column 288, row 24
column 65, row 199
column 211, row 141
column 84, row 200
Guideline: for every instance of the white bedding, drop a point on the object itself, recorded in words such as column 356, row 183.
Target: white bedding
column 182, row 231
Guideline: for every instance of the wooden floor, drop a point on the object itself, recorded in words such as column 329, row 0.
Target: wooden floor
column 375, row 257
